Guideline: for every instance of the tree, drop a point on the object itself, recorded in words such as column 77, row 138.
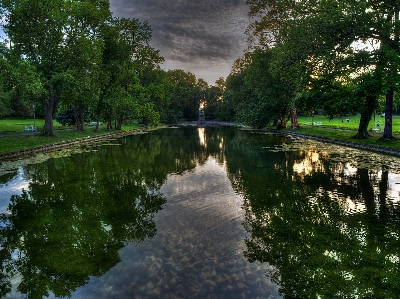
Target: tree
column 20, row 88
column 261, row 96
column 47, row 34
column 396, row 102
column 5, row 70
column 185, row 101
column 321, row 35
column 160, row 89
column 367, row 90
column 225, row 108
column 212, row 102
column 127, row 56
column 215, row 106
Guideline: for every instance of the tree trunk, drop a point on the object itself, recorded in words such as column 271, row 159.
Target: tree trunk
column 388, row 133
column 283, row 118
column 119, row 125
column 365, row 117
column 295, row 122
column 109, row 122
column 81, row 117
column 98, row 122
column 76, row 116
column 49, row 109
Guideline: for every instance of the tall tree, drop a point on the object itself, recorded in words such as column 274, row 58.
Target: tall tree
column 20, row 87
column 160, row 89
column 185, row 101
column 262, row 96
column 46, row 33
column 82, row 87
column 321, row 35
column 127, row 56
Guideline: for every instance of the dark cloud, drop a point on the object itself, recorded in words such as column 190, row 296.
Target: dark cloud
column 194, row 35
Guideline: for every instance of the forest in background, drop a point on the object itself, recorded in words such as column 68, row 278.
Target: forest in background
column 73, row 61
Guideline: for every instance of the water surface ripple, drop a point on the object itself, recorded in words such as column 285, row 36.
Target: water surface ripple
column 201, row 213
column 198, row 249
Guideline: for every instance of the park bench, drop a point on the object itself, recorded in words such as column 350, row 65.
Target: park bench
column 315, row 123
column 30, row 129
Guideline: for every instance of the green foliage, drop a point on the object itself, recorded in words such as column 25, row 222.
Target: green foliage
column 333, row 98
column 74, row 54
column 213, row 102
column 127, row 61
column 331, row 40
column 260, row 96
column 5, row 106
column 148, row 115
column 66, row 118
column 81, row 234
column 61, row 43
column 159, row 88
column 186, row 96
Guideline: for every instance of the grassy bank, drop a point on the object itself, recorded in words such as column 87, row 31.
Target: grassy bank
column 336, row 129
column 13, row 137
column 352, row 123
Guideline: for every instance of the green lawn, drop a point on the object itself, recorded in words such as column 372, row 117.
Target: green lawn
column 327, row 129
column 10, row 127
column 337, row 129
column 353, row 123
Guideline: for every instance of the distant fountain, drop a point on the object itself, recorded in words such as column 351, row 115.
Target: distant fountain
column 201, row 121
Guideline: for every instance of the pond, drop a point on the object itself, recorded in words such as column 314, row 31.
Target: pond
column 201, row 213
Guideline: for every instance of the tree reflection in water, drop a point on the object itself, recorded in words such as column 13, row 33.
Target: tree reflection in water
column 327, row 219
column 59, row 232
column 78, row 211
column 330, row 230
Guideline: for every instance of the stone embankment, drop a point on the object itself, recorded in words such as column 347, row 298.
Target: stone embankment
column 368, row 147
column 80, row 142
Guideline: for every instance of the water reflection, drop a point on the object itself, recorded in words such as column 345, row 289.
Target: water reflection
column 321, row 221
column 71, row 221
column 76, row 213
column 324, row 222
column 198, row 249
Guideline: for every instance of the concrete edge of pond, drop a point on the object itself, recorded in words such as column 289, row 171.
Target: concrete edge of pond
column 19, row 154
column 369, row 147
column 80, row 142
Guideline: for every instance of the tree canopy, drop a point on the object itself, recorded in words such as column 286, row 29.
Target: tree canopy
column 340, row 42
column 78, row 57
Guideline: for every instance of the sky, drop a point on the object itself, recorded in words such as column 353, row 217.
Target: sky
column 204, row 37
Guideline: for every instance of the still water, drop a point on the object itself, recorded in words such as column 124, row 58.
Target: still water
column 201, row 213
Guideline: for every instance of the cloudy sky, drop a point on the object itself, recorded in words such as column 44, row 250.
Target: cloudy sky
column 204, row 37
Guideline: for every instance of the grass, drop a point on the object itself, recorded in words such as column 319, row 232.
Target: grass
column 13, row 126
column 354, row 121
column 13, row 139
column 336, row 129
